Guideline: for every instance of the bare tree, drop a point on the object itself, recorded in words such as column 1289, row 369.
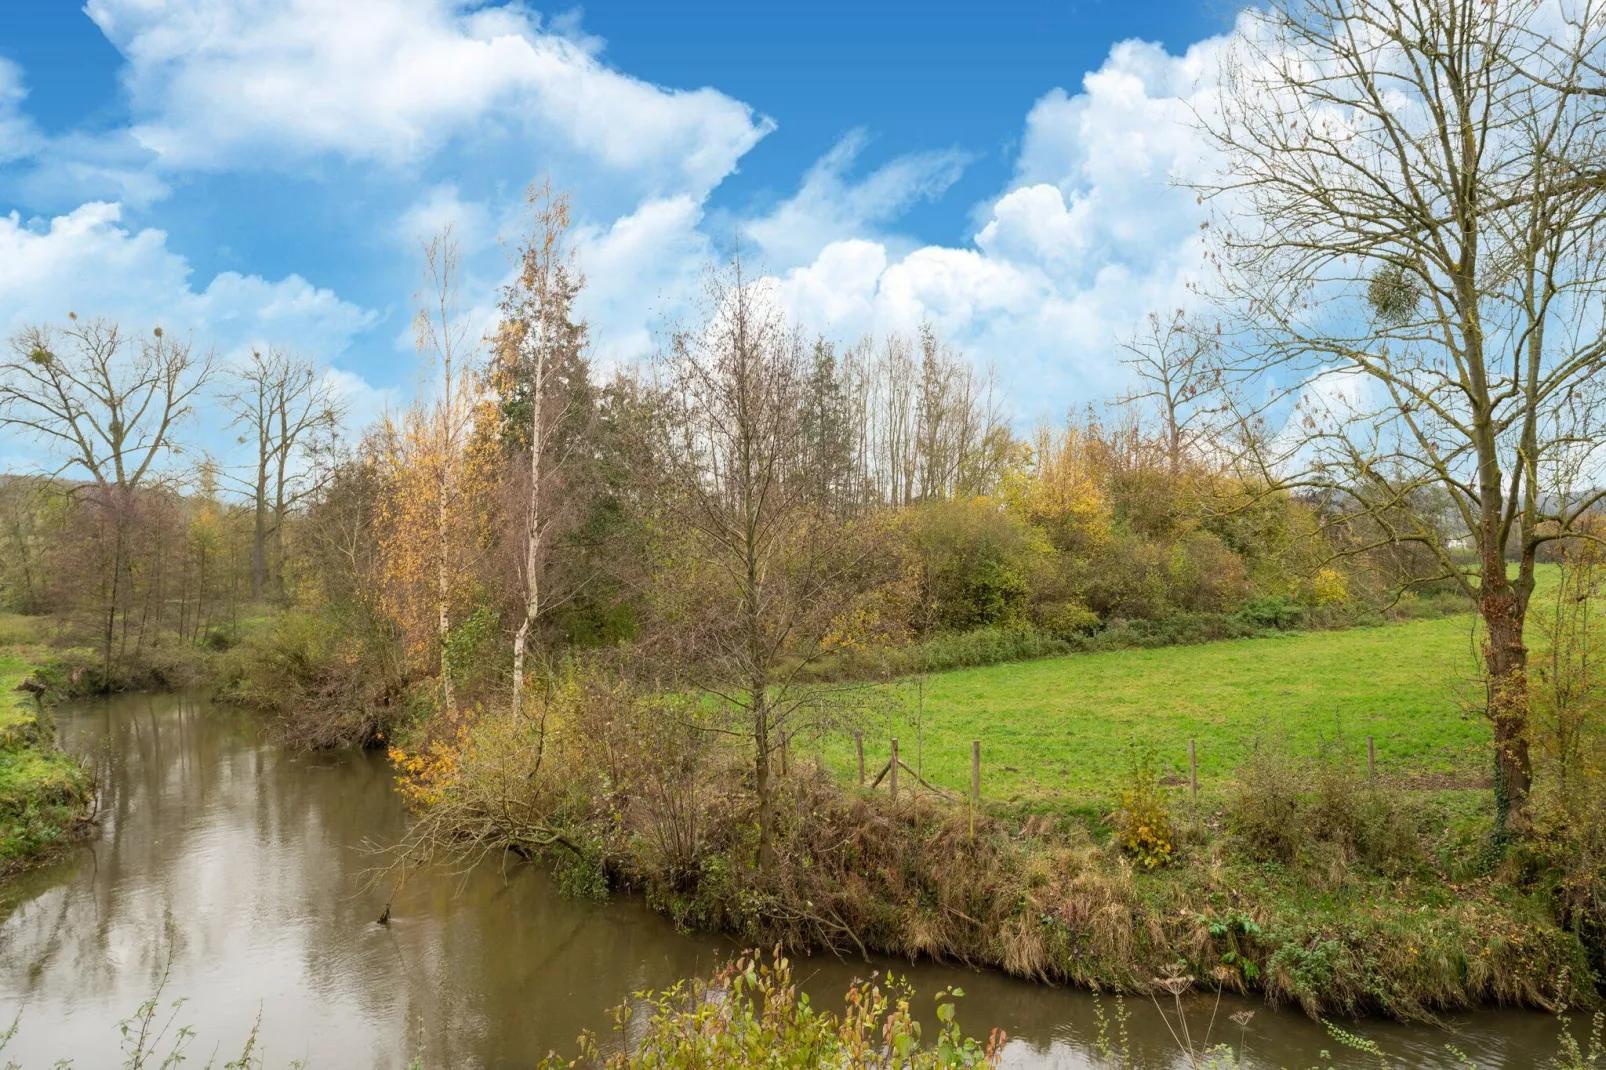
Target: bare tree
column 282, row 401
column 755, row 573
column 1410, row 229
column 1179, row 378
column 922, row 423
column 106, row 406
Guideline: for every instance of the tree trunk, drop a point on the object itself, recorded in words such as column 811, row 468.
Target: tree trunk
column 443, row 586
column 111, row 606
column 259, row 534
column 280, row 508
column 1504, row 608
column 532, row 534
column 761, row 782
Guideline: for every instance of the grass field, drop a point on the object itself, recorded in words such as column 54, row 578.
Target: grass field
column 1064, row 726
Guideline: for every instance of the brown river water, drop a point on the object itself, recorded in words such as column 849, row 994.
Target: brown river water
column 241, row 866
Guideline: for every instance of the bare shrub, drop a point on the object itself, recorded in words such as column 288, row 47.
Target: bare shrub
column 1317, row 813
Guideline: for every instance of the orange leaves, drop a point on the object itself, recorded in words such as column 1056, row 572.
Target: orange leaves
column 434, row 510
column 423, row 778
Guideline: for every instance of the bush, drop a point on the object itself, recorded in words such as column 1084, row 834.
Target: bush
column 939, row 653
column 1274, row 611
column 973, row 565
column 330, row 677
column 752, row 1014
column 1143, row 820
column 1067, row 620
column 1316, row 814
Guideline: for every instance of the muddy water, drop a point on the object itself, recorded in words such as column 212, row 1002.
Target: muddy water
column 238, row 868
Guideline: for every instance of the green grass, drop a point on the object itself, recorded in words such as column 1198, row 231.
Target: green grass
column 1063, row 726
column 43, row 791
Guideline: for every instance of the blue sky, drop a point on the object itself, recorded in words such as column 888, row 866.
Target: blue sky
column 260, row 170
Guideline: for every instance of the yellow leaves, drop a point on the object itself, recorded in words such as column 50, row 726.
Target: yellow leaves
column 434, row 509
column 1329, row 588
column 1062, row 491
column 424, row 777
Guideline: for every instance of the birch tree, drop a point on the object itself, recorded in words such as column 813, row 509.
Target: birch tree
column 1410, row 228
column 541, row 331
column 442, row 338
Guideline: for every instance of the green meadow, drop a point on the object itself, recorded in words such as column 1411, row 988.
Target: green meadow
column 1067, row 726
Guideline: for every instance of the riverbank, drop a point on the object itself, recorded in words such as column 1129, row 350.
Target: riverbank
column 1387, row 902
column 1044, row 899
column 1308, row 886
column 46, row 795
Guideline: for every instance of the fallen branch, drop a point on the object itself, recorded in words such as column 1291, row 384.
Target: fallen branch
column 946, row 794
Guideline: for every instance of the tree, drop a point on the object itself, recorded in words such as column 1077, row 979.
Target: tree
column 429, row 528
column 1410, row 227
column 107, row 407
column 826, row 428
column 1178, row 376
column 282, row 401
column 757, row 573
column 539, row 333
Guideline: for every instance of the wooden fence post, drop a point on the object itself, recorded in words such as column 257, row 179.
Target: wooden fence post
column 893, row 769
column 975, row 783
column 1193, row 769
column 1371, row 759
column 858, row 741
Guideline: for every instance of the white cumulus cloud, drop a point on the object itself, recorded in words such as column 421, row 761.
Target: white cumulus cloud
column 18, row 137
column 829, row 206
column 1095, row 231
column 223, row 83
column 87, row 262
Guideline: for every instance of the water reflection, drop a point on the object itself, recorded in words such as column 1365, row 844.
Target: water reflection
column 250, row 859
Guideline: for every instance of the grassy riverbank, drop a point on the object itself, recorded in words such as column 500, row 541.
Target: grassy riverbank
column 44, row 793
column 1056, row 899
column 1300, row 879
column 1293, row 872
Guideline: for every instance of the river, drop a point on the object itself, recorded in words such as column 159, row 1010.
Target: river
column 239, row 868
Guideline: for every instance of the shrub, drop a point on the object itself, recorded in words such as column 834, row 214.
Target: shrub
column 473, row 646
column 1316, row 813
column 1274, row 611
column 973, row 564
column 1143, row 820
column 752, row 1014
column 1067, row 620
column 331, row 677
